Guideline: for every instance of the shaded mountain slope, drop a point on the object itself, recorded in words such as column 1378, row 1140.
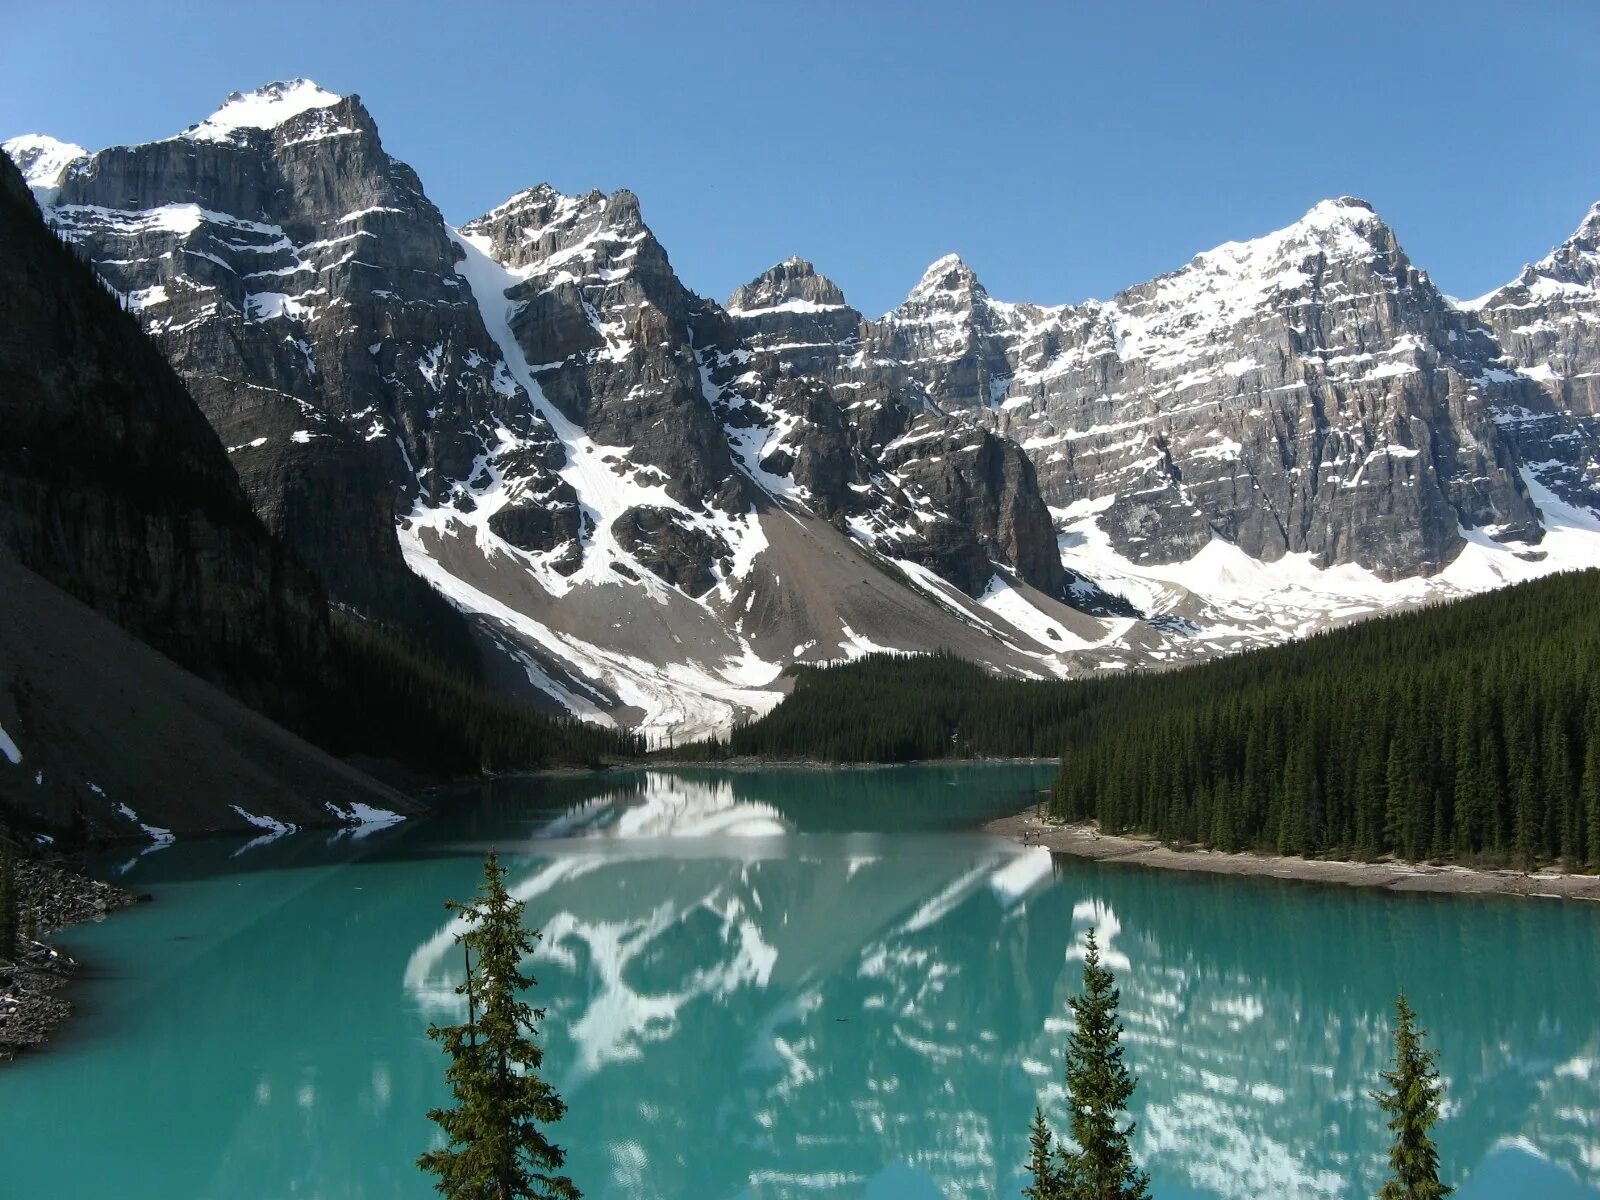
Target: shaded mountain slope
column 114, row 488
column 117, row 740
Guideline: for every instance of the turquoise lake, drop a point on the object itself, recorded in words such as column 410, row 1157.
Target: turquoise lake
column 791, row 983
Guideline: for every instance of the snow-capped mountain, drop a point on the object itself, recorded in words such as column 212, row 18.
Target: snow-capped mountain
column 1548, row 321
column 647, row 504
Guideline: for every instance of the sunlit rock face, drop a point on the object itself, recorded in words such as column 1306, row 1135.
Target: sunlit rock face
column 1306, row 392
column 1548, row 321
column 846, row 1012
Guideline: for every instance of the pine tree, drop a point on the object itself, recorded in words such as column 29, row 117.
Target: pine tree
column 1047, row 1183
column 1412, row 1100
column 10, row 906
column 1099, row 1086
column 495, row 1148
column 1589, row 789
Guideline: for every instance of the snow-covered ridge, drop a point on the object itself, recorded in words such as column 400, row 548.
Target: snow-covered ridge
column 265, row 108
column 42, row 159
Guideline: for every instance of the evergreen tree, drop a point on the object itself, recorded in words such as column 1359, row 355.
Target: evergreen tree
column 495, row 1148
column 1412, row 1101
column 1046, row 1178
column 1099, row 1086
column 1469, row 729
column 1589, row 789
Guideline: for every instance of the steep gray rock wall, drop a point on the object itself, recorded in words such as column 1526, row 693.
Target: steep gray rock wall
column 1306, row 392
column 865, row 447
column 1548, row 322
column 305, row 288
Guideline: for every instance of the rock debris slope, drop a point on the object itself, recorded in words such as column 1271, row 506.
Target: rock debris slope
column 644, row 504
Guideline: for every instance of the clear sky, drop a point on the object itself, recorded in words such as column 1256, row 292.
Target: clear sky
column 1065, row 150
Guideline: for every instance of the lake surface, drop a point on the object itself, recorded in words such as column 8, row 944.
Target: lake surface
column 791, row 983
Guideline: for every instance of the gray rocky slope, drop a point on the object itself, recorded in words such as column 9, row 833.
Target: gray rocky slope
column 647, row 503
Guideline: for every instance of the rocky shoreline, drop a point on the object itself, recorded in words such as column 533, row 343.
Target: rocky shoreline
column 1085, row 841
column 31, row 1003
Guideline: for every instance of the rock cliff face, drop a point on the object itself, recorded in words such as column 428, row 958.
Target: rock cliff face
column 647, row 503
column 1307, row 392
column 305, row 289
column 141, row 517
column 857, row 435
column 116, row 491
column 1548, row 321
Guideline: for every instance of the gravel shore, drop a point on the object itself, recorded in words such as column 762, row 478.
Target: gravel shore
column 31, row 1004
column 1084, row 841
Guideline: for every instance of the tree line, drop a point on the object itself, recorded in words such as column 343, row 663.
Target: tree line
column 1467, row 731
column 888, row 707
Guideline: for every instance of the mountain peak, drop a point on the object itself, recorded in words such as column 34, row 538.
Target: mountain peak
column 1342, row 212
column 43, row 160
column 949, row 275
column 266, row 107
column 1589, row 228
column 791, row 283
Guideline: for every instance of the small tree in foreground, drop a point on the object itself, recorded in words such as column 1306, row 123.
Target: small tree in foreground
column 1099, row 1086
column 1412, row 1101
column 1046, row 1182
column 495, row 1147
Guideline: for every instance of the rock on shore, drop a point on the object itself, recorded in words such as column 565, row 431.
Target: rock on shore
column 52, row 897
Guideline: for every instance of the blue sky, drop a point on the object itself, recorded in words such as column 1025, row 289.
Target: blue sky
column 1064, row 150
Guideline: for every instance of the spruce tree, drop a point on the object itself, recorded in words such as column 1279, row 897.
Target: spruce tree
column 1589, row 789
column 495, row 1148
column 1099, row 1086
column 1412, row 1101
column 1046, row 1182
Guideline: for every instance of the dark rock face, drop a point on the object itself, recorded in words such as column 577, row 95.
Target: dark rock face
column 607, row 329
column 116, row 489
column 305, row 288
column 862, row 442
column 677, row 552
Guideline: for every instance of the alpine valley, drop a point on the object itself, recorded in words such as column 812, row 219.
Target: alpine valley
column 635, row 505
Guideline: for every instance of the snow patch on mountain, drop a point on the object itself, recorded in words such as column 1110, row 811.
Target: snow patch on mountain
column 43, row 161
column 265, row 108
column 1229, row 600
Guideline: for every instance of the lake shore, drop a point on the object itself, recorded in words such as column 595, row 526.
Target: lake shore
column 1085, row 841
column 31, row 1004
column 748, row 762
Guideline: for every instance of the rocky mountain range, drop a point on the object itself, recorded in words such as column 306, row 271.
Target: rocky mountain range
column 149, row 618
column 638, row 505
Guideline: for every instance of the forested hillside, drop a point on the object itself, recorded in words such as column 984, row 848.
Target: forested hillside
column 897, row 708
column 1468, row 731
